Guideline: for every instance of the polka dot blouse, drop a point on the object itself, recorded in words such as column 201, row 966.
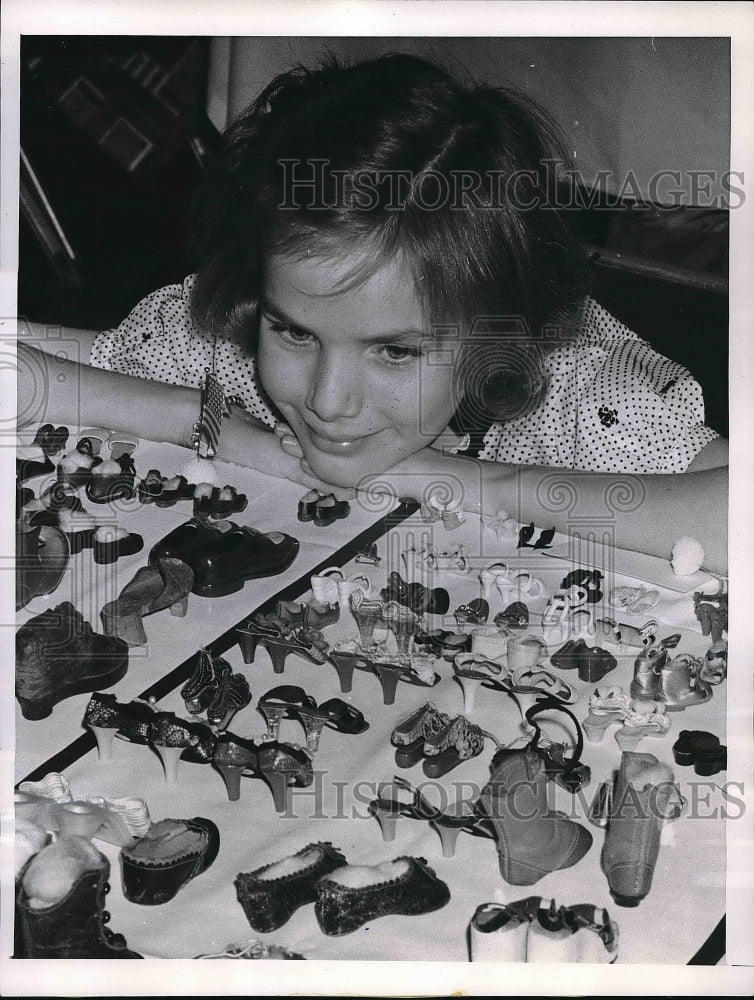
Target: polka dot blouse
column 612, row 404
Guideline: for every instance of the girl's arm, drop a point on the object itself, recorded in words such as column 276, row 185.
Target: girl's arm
column 51, row 388
column 644, row 513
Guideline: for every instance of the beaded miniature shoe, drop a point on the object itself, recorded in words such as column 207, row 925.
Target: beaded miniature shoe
column 409, row 887
column 176, row 739
column 410, row 734
column 270, row 895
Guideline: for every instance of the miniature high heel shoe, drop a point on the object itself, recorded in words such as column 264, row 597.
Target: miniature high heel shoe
column 607, row 707
column 388, row 810
column 409, row 735
column 258, row 627
column 390, row 673
column 282, row 765
column 347, row 657
column 233, row 758
column 201, row 687
column 107, row 718
column 495, row 577
column 403, row 623
column 415, row 596
column 528, row 685
column 470, row 670
column 281, row 703
column 164, row 583
column 368, row 613
column 175, row 739
column 309, row 643
column 233, row 693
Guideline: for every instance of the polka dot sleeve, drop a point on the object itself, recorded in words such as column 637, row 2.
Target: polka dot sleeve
column 613, row 404
column 159, row 340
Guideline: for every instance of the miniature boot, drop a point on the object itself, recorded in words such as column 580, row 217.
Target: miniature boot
column 532, row 840
column 58, row 655
column 643, row 798
column 73, row 926
column 680, row 684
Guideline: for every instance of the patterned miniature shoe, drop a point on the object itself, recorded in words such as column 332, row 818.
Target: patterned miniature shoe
column 270, row 895
column 410, row 734
column 408, row 886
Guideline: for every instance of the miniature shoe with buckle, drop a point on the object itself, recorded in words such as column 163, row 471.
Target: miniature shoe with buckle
column 270, row 895
column 166, row 858
column 406, row 885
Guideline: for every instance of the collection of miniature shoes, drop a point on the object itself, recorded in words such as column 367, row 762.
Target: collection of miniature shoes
column 345, row 896
column 280, row 639
column 388, row 807
column 59, row 655
column 536, row 930
column 291, row 702
column 591, row 662
column 163, row 583
column 637, row 717
column 224, row 555
column 214, row 688
column 323, row 509
column 634, row 809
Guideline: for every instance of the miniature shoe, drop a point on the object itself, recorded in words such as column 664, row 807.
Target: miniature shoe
column 270, row 895
column 233, row 758
column 415, row 596
column 387, row 810
column 495, row 577
column 681, row 684
column 115, row 821
column 499, row 933
column 201, row 687
column 174, row 490
column 368, row 614
column 224, row 558
column 701, row 750
column 409, row 887
column 150, row 487
column 210, row 501
column 455, row 643
column 403, row 623
column 418, row 671
column 280, row 703
column 568, row 657
column 581, row 933
column 233, row 694
column 525, row 651
column 532, row 840
column 308, row 643
column 594, row 663
column 457, row 742
column 166, row 858
column 76, row 925
column 307, row 506
column 75, row 467
column 111, row 480
column 58, row 655
column 80, row 528
column 176, row 739
column 410, row 734
column 516, row 615
column 643, row 799
column 347, row 657
column 607, row 707
column 643, row 718
column 109, row 543
column 51, row 439
column 164, row 583
column 31, row 461
column 432, row 641
column 282, row 765
column 476, row 612
column 328, row 510
column 107, row 718
column 42, row 554
column 470, row 670
column 257, row 628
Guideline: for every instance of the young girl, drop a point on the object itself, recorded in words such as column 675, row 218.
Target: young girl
column 388, row 291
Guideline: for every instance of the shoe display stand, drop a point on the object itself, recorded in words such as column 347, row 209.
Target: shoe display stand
column 679, row 919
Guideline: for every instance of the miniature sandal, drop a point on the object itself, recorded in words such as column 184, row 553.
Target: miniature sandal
column 459, row 741
column 280, row 703
column 476, row 612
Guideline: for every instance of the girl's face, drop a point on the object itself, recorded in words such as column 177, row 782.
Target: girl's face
column 348, row 368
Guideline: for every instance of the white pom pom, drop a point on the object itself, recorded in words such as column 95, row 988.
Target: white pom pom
column 200, row 470
column 687, row 556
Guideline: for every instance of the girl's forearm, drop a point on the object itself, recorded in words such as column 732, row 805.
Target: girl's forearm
column 639, row 513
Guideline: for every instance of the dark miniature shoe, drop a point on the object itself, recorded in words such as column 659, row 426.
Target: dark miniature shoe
column 270, row 900
column 224, row 556
column 112, row 480
column 164, row 583
column 75, row 467
column 343, row 906
column 150, row 487
column 107, row 717
column 42, row 554
column 58, row 655
column 76, row 925
column 702, row 750
column 31, row 461
column 233, row 694
column 210, row 501
column 516, row 615
column 177, row 739
column 109, row 543
column 594, row 663
column 307, row 506
column 568, row 657
column 201, row 687
column 328, row 510
column 415, row 596
column 173, row 490
column 51, row 439
column 525, row 535
column 166, row 858
column 476, row 612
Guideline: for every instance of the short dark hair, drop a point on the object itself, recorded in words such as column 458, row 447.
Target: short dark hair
column 497, row 250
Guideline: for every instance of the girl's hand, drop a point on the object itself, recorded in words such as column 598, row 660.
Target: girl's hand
column 290, row 445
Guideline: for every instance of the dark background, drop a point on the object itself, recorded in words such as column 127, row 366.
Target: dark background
column 116, row 133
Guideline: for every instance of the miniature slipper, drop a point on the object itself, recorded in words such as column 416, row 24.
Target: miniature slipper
column 110, row 542
column 328, row 510
column 42, row 554
column 111, row 480
column 162, row 862
column 51, row 439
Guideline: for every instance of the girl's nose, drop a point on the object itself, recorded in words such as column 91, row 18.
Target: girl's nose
column 334, row 391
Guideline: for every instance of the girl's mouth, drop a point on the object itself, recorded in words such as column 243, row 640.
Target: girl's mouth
column 336, row 446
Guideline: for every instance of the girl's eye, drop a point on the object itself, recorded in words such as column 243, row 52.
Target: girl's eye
column 290, row 333
column 399, row 354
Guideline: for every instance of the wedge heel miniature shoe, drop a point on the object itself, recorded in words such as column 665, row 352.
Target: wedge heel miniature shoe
column 532, row 840
column 74, row 926
column 406, row 886
column 643, row 798
column 270, row 895
column 58, row 655
column 166, row 858
column 165, row 583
